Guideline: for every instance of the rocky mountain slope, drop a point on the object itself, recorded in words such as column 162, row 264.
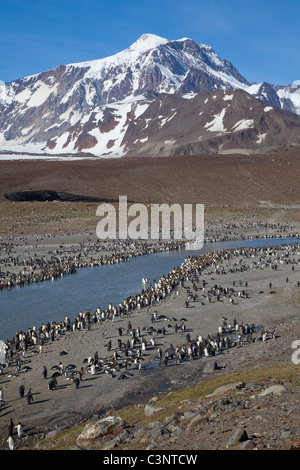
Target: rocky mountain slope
column 45, row 107
column 192, row 124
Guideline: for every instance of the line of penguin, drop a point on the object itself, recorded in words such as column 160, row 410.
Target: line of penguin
column 59, row 263
column 157, row 291
column 39, row 268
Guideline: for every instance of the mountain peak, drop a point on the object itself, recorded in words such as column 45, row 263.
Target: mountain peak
column 140, row 46
column 146, row 42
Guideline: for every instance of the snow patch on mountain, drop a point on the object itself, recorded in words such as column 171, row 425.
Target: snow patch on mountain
column 216, row 125
column 106, row 142
column 243, row 124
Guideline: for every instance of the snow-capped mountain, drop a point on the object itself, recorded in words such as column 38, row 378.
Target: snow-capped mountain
column 57, row 110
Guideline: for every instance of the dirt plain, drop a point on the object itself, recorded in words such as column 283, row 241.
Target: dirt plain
column 225, row 180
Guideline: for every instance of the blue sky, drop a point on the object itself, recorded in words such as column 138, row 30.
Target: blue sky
column 260, row 38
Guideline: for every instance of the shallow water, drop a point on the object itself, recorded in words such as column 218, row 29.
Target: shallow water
column 28, row 306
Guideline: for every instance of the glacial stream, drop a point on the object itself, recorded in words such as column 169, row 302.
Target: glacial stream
column 31, row 305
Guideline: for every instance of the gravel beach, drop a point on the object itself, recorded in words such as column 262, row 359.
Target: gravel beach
column 252, row 301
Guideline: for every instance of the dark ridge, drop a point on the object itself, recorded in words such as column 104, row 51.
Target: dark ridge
column 49, row 195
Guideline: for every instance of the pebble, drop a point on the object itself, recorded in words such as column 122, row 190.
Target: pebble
column 285, row 434
column 150, row 410
column 198, row 419
column 210, row 366
column 247, row 445
column 275, row 389
column 224, row 389
column 240, row 435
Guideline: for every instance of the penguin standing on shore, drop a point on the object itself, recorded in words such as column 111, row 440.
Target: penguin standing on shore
column 29, row 397
column 10, row 428
column 264, row 336
column 52, row 384
column 20, row 430
column 21, row 391
column 76, row 382
column 11, row 443
column 45, row 373
column 96, row 357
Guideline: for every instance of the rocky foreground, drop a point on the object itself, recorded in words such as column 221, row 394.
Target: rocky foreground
column 248, row 400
